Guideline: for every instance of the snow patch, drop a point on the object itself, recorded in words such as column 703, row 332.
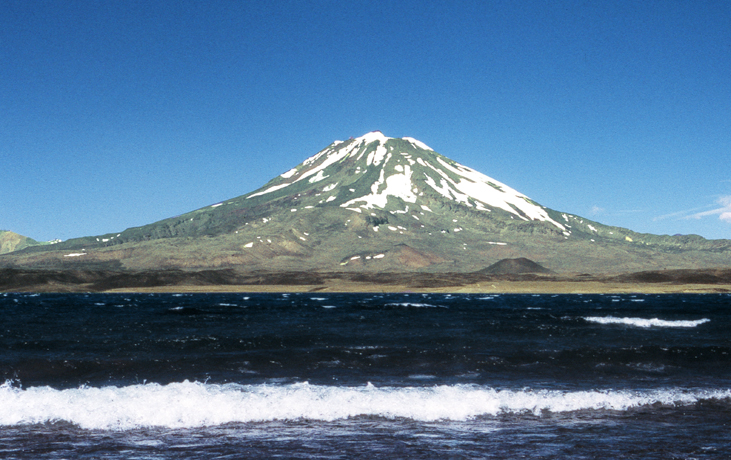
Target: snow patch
column 377, row 156
column 332, row 156
column 418, row 143
column 475, row 187
column 269, row 190
column 289, row 173
column 373, row 136
column 318, row 177
column 396, row 185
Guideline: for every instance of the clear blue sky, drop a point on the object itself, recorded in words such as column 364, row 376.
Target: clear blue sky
column 115, row 114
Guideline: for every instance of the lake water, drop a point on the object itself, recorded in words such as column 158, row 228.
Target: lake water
column 342, row 376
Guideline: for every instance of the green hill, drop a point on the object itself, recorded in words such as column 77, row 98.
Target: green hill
column 10, row 242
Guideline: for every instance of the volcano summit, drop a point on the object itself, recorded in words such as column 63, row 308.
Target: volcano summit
column 378, row 204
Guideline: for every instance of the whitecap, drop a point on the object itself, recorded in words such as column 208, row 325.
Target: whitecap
column 422, row 377
column 643, row 322
column 415, row 305
column 194, row 404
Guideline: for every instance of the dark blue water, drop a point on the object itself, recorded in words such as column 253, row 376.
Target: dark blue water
column 365, row 376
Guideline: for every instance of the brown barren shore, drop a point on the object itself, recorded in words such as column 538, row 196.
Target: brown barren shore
column 499, row 287
column 230, row 280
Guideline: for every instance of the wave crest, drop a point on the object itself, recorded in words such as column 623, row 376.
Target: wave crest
column 643, row 322
column 193, row 404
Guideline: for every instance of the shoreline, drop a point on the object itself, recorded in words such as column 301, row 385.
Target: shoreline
column 497, row 287
column 228, row 280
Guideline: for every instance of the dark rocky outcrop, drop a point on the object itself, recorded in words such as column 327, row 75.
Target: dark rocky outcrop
column 517, row 266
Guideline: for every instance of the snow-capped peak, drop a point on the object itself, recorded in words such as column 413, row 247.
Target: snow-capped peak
column 405, row 174
column 372, row 137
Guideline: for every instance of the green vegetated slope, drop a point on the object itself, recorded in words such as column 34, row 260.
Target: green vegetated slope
column 10, row 241
column 379, row 204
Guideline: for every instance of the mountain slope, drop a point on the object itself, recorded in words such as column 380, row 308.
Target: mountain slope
column 379, row 203
column 10, row 241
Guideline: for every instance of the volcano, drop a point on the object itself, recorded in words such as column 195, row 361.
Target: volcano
column 381, row 204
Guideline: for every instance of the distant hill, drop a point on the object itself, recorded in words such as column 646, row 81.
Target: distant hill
column 378, row 204
column 514, row 267
column 10, row 241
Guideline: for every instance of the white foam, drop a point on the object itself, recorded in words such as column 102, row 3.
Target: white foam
column 192, row 404
column 414, row 305
column 642, row 322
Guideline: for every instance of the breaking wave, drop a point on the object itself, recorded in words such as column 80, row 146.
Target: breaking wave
column 642, row 322
column 414, row 305
column 193, row 404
